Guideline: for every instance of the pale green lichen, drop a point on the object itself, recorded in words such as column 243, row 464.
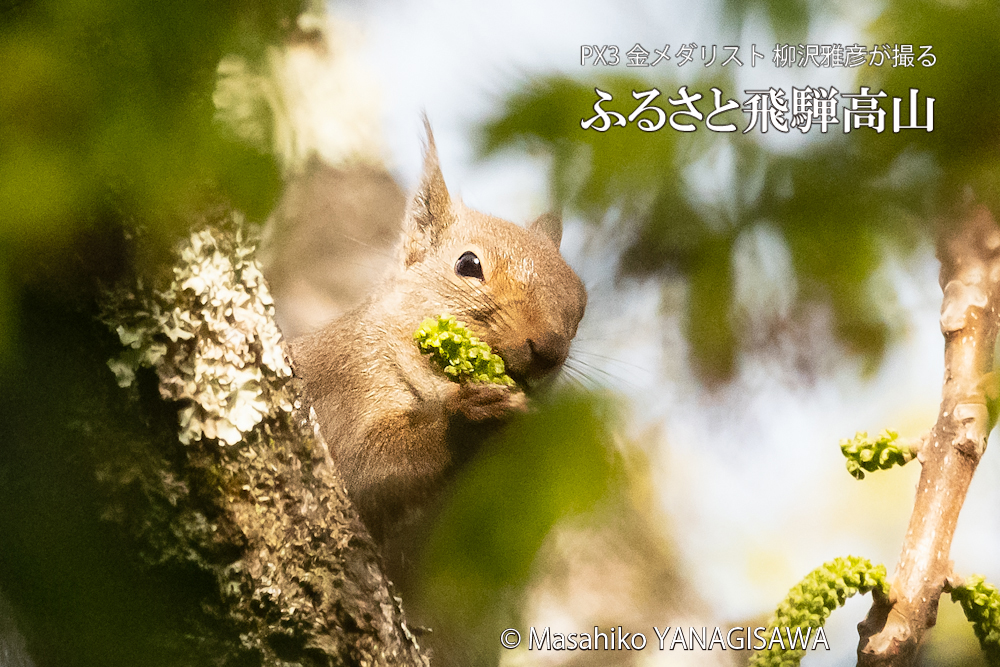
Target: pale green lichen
column 461, row 355
column 981, row 603
column 866, row 454
column 211, row 338
column 810, row 602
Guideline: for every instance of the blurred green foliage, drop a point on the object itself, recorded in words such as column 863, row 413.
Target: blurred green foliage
column 981, row 603
column 789, row 19
column 106, row 123
column 107, row 131
column 840, row 202
column 541, row 468
column 546, row 466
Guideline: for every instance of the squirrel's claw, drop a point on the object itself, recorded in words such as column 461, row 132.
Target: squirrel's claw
column 479, row 401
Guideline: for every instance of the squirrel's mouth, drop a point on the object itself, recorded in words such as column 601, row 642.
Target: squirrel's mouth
column 521, row 380
column 534, row 385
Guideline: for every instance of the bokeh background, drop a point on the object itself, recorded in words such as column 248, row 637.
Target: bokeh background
column 753, row 298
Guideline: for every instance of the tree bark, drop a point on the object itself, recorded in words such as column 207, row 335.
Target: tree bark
column 248, row 491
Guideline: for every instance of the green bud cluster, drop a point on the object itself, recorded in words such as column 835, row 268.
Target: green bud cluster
column 461, row 355
column 981, row 603
column 865, row 454
column 811, row 601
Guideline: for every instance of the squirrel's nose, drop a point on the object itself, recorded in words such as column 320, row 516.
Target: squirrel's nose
column 548, row 352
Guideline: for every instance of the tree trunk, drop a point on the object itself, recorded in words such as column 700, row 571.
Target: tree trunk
column 199, row 518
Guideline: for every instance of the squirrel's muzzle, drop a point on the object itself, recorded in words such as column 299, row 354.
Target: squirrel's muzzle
column 537, row 357
column 547, row 354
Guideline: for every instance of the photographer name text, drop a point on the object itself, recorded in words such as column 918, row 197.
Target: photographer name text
column 669, row 639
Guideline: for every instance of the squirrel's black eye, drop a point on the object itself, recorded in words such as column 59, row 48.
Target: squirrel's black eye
column 468, row 266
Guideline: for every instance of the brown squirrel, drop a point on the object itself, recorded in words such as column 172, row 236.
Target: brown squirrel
column 397, row 424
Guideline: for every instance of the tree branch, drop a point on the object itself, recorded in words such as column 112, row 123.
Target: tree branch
column 970, row 277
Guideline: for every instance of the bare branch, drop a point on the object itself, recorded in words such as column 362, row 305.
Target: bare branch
column 970, row 276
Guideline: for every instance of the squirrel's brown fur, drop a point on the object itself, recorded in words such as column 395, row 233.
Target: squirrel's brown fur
column 395, row 421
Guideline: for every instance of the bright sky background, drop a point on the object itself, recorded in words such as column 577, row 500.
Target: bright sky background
column 750, row 521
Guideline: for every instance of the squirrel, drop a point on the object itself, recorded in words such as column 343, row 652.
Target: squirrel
column 396, row 423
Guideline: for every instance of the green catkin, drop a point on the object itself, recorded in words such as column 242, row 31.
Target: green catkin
column 461, row 355
column 981, row 603
column 866, row 454
column 810, row 602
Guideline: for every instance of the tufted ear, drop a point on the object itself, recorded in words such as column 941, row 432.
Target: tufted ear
column 429, row 212
column 549, row 224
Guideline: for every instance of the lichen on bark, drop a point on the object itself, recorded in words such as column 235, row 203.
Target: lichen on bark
column 244, row 489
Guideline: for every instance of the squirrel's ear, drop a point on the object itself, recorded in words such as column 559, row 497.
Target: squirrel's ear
column 429, row 212
column 549, row 224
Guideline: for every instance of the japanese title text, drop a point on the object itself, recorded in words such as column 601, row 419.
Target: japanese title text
column 768, row 109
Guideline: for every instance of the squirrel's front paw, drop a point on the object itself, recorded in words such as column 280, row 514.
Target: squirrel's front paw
column 479, row 401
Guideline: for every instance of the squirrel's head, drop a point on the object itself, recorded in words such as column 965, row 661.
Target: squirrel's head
column 509, row 284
